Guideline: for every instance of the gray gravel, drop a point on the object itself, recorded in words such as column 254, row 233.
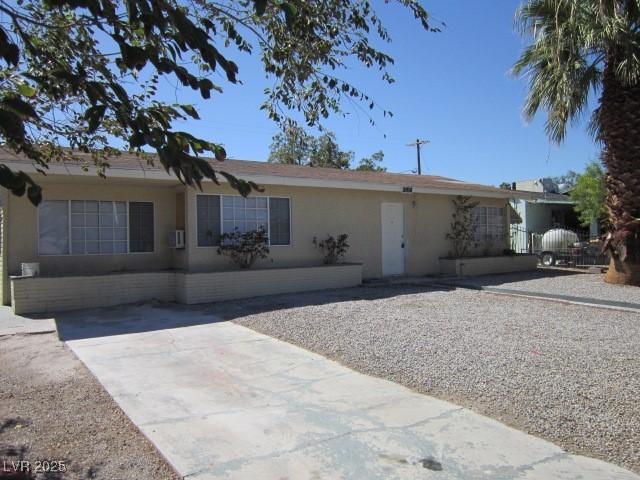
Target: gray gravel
column 562, row 283
column 567, row 373
column 52, row 408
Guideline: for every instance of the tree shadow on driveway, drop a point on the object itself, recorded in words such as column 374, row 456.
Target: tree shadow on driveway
column 153, row 316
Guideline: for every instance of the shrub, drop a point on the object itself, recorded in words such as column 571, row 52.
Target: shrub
column 244, row 248
column 333, row 250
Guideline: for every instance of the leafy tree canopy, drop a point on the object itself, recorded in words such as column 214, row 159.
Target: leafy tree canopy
column 566, row 182
column 326, row 153
column 295, row 146
column 291, row 146
column 372, row 163
column 590, row 194
column 83, row 73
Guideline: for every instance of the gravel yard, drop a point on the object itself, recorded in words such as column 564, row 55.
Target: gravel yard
column 562, row 283
column 567, row 373
column 52, row 408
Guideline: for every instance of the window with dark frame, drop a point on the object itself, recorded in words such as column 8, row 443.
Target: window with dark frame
column 227, row 213
column 279, row 221
column 141, row 227
column 208, row 220
column 91, row 227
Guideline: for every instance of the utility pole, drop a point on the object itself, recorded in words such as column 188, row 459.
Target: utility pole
column 418, row 143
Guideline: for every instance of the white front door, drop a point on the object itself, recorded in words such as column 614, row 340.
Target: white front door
column 392, row 238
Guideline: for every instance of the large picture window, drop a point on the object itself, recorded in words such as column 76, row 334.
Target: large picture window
column 218, row 214
column 489, row 223
column 89, row 227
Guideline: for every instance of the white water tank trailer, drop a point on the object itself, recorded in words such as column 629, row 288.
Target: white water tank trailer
column 558, row 239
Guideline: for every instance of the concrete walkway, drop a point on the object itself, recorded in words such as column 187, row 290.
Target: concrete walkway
column 222, row 401
column 12, row 324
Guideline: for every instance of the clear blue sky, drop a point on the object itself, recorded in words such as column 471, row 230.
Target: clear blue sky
column 453, row 88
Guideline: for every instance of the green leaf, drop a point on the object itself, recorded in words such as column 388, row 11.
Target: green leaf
column 11, row 125
column 261, row 6
column 27, row 90
column 94, row 116
column 34, row 193
column 290, row 13
column 205, row 87
column 191, row 111
column 19, row 106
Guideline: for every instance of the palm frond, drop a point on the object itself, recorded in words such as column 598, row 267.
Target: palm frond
column 564, row 61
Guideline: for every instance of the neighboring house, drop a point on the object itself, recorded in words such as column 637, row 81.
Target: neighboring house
column 551, row 208
column 87, row 225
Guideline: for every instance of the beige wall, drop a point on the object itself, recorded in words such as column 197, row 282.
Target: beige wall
column 5, row 288
column 488, row 265
column 216, row 286
column 315, row 212
column 23, row 224
column 52, row 294
column 321, row 211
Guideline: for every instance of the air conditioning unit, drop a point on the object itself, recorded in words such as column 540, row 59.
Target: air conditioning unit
column 176, row 239
column 30, row 269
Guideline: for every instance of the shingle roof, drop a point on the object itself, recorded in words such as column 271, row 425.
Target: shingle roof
column 129, row 161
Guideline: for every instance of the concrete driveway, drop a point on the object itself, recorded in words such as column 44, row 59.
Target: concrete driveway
column 222, row 401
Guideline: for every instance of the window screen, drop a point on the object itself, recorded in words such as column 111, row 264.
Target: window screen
column 53, row 227
column 208, row 218
column 141, row 227
column 279, row 221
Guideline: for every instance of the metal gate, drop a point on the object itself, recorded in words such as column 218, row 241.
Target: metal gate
column 559, row 246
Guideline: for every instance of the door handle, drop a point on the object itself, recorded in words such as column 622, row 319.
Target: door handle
column 402, row 244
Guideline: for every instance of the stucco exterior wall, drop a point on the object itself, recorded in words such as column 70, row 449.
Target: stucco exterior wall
column 5, row 287
column 22, row 229
column 315, row 212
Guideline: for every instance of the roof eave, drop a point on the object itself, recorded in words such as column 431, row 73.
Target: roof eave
column 156, row 174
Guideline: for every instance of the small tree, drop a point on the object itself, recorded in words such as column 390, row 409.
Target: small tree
column 462, row 228
column 373, row 163
column 244, row 248
column 325, row 152
column 590, row 194
column 333, row 249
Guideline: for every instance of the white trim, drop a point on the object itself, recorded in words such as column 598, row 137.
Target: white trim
column 128, row 252
column 115, row 172
column 403, row 238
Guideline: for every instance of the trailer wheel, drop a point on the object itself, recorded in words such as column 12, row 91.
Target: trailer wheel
column 548, row 259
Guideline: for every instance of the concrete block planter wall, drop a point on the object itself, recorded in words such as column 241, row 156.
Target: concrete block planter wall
column 470, row 266
column 215, row 286
column 51, row 294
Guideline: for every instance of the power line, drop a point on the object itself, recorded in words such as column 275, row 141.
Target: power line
column 418, row 143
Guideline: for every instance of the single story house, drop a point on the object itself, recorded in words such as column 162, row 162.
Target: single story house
column 140, row 234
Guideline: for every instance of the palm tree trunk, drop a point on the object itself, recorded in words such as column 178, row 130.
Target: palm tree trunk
column 619, row 118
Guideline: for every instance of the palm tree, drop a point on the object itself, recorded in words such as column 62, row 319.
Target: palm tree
column 584, row 47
